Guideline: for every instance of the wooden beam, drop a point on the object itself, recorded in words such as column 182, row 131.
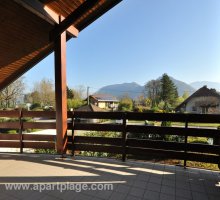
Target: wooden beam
column 60, row 90
column 47, row 1
column 69, row 20
column 46, row 14
column 109, row 4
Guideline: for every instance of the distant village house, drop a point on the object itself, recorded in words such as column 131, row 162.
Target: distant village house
column 104, row 101
column 203, row 101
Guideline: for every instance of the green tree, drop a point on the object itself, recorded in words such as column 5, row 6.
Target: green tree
column 125, row 104
column 43, row 93
column 185, row 95
column 69, row 93
column 169, row 92
column 153, row 90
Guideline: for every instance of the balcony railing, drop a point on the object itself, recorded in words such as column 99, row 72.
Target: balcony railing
column 123, row 145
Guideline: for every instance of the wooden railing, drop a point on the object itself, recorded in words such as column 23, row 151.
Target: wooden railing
column 122, row 144
column 21, row 139
column 162, row 149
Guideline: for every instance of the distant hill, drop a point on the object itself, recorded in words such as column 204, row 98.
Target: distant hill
column 183, row 87
column 209, row 84
column 134, row 90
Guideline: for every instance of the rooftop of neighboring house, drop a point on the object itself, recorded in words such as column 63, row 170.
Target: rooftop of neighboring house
column 90, row 108
column 202, row 92
column 104, row 97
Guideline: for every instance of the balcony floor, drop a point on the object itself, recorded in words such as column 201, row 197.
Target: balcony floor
column 131, row 180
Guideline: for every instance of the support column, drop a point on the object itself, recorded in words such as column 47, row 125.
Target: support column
column 60, row 90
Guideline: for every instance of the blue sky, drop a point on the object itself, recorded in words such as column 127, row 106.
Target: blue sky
column 138, row 40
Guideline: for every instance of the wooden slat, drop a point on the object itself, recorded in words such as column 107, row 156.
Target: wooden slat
column 203, row 148
column 174, row 117
column 98, row 140
column 9, row 113
column 174, row 131
column 43, row 114
column 98, row 115
column 12, row 144
column 10, row 125
column 98, row 148
column 39, row 125
column 203, row 158
column 34, row 137
column 155, row 152
column 173, row 155
column 98, row 127
column 39, row 145
column 9, row 137
column 155, row 144
column 156, row 116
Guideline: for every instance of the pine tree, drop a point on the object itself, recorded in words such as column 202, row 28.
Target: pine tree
column 169, row 93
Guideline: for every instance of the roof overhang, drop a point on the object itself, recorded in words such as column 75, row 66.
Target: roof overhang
column 26, row 27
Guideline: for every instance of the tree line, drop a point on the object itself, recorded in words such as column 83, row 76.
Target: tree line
column 160, row 95
column 41, row 96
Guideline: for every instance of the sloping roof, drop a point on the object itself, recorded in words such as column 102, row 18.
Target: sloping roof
column 26, row 27
column 202, row 92
column 104, row 97
column 90, row 108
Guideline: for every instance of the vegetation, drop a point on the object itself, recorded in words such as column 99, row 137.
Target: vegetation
column 10, row 96
column 42, row 95
column 125, row 104
column 169, row 93
column 75, row 97
column 101, row 134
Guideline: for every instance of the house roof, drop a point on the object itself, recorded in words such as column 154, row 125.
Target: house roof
column 104, row 97
column 28, row 26
column 90, row 108
column 202, row 92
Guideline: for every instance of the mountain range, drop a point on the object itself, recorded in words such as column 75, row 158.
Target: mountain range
column 134, row 90
column 209, row 84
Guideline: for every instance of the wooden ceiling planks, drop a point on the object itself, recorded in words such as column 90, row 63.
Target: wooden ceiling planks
column 24, row 36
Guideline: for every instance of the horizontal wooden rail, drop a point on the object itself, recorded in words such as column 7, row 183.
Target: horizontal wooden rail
column 10, row 144
column 39, row 145
column 9, row 136
column 99, row 115
column 10, row 125
column 39, row 125
column 98, row 127
column 98, row 148
column 39, row 114
column 33, row 137
column 98, row 140
column 199, row 132
column 183, row 151
column 123, row 144
column 27, row 140
column 11, row 114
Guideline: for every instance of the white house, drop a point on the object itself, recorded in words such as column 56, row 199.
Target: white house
column 203, row 101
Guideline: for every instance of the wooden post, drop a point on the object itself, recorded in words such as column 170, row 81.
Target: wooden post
column 20, row 130
column 124, row 138
column 60, row 90
column 185, row 146
column 73, row 148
